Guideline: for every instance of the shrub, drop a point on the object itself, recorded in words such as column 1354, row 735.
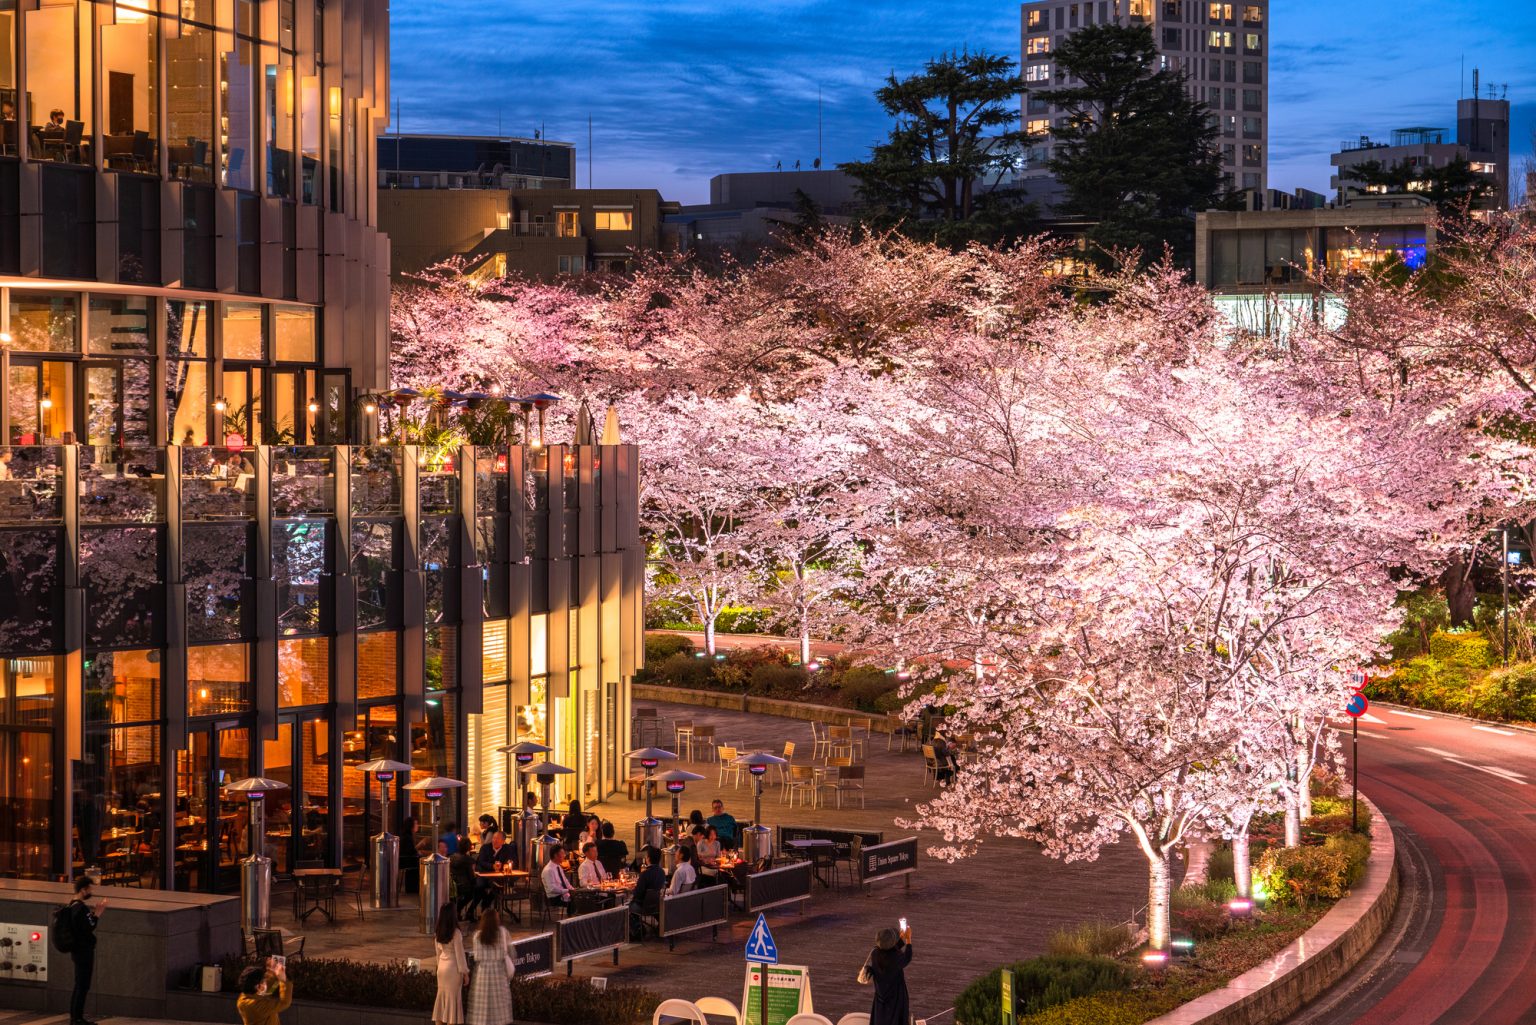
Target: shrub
column 1124, row 1007
column 391, row 984
column 739, row 619
column 1461, row 651
column 864, row 686
column 1326, row 805
column 682, row 670
column 1320, row 826
column 1212, row 891
column 1220, row 865
column 1090, row 939
column 1356, row 849
column 1508, row 694
column 1297, row 876
column 1203, row 920
column 659, row 647
column 1039, row 983
column 774, row 679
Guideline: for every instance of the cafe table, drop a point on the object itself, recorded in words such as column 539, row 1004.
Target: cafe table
column 818, row 853
column 503, row 884
column 317, row 887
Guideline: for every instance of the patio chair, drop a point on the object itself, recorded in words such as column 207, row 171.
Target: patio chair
column 704, row 742
column 840, row 742
column 856, row 1018
column 729, row 767
column 354, row 889
column 820, row 746
column 861, row 744
column 722, row 1007
column 273, row 943
column 930, row 766
column 684, row 1009
column 809, row 1019
column 788, row 754
column 802, row 781
column 899, row 731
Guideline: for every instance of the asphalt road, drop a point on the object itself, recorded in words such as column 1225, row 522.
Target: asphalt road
column 1461, row 949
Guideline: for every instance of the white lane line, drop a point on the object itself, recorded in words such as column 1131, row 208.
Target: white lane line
column 1495, row 729
column 1504, row 774
column 1411, row 715
column 1368, row 717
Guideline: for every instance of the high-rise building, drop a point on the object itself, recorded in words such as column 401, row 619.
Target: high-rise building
column 211, row 567
column 1222, row 48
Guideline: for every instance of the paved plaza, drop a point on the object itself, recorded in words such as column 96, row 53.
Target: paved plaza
column 1000, row 905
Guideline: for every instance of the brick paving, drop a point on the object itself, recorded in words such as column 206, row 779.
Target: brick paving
column 967, row 917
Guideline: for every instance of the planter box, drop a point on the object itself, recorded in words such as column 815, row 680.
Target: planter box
column 879, row 721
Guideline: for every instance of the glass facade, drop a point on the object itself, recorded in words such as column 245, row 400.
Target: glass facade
column 295, row 611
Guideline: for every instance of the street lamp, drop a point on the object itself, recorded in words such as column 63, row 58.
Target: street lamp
column 527, row 825
column 545, row 772
column 757, row 839
column 256, row 868
column 384, row 849
column 676, row 780
column 434, row 867
column 648, row 829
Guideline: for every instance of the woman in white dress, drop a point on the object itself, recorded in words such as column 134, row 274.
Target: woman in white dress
column 452, row 970
column 490, row 987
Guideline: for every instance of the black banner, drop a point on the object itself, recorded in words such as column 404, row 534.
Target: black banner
column 779, row 886
column 883, row 861
column 534, row 956
column 867, row 838
column 594, row 933
column 696, row 909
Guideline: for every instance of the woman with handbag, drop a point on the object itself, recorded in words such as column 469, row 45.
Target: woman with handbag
column 490, row 989
column 887, row 971
column 452, row 969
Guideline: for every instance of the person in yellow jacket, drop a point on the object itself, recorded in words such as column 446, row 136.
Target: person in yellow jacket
column 264, row 993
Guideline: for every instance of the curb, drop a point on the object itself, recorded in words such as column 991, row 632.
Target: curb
column 1436, row 713
column 1313, row 961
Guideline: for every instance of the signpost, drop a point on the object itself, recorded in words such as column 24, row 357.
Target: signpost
column 1007, row 995
column 787, row 989
column 761, row 950
column 1355, row 707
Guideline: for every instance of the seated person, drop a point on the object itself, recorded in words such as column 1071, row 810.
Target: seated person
column 684, row 877
column 724, row 823
column 708, row 846
column 557, row 888
column 649, row 887
column 461, row 869
column 487, row 827
column 612, row 853
column 495, row 854
column 591, row 871
column 55, row 125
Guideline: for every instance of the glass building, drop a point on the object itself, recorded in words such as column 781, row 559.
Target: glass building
column 208, row 568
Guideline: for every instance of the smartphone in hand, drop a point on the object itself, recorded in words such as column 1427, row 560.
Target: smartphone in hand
column 903, row 923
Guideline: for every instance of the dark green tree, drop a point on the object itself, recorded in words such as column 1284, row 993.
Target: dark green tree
column 1136, row 155
column 1452, row 189
column 955, row 137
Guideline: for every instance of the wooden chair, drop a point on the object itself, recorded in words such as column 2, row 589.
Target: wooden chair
column 930, row 766
column 729, row 767
column 850, row 779
column 839, row 742
column 353, row 889
column 704, row 742
column 820, row 748
column 788, row 754
column 861, row 744
column 802, row 781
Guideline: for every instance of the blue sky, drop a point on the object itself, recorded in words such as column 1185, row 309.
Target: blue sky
column 680, row 91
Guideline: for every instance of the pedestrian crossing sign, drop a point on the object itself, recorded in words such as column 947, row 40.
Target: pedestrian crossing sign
column 760, row 946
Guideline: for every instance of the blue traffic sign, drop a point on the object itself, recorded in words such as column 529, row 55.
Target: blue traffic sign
column 1356, row 705
column 760, row 946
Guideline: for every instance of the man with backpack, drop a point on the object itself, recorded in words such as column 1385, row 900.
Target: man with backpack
column 74, row 932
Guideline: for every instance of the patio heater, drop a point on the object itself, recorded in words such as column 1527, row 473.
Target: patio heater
column 434, row 867
column 757, row 839
column 528, row 825
column 256, row 868
column 541, row 402
column 648, row 829
column 545, row 772
column 383, row 849
column 676, row 780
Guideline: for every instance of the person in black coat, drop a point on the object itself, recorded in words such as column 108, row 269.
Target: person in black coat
column 888, row 963
column 82, row 923
column 612, row 853
column 646, row 902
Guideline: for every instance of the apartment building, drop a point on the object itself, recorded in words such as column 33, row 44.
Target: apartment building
column 1222, row 48
column 1481, row 139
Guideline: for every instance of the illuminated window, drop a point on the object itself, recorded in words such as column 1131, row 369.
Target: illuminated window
column 1481, row 167
column 1253, row 14
column 218, row 679
column 1039, row 126
column 1221, row 12
column 1251, row 42
column 1140, row 8
column 1035, row 19
column 566, row 224
column 1252, row 153
column 615, row 220
column 1037, row 73
column 1038, row 44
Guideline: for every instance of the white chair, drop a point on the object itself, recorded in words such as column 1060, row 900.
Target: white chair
column 809, row 1019
column 684, row 1009
column 725, row 1009
column 857, row 1018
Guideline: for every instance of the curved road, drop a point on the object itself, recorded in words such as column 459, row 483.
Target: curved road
column 1461, row 949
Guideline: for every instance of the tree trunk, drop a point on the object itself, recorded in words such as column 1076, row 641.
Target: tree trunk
column 1460, row 595
column 1303, row 783
column 1242, row 871
column 805, row 644
column 709, row 637
column 1292, row 822
column 1159, row 895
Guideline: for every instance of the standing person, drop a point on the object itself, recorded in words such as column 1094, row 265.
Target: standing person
column 888, row 963
column 490, row 991
column 487, row 827
column 452, row 969
column 258, row 1003
column 612, row 853
column 82, row 919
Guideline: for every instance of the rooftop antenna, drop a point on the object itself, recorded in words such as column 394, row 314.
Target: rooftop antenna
column 498, row 122
column 818, row 128
column 589, row 151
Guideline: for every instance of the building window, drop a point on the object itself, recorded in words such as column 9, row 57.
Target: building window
column 1251, row 100
column 119, row 326
column 293, row 334
column 244, row 332
column 1039, row 126
column 27, row 690
column 1252, row 153
column 1253, row 14
column 1252, row 128
column 566, row 224
column 1171, row 10
column 1038, row 44
column 1037, row 73
column 1250, row 179
column 303, row 672
column 44, row 321
column 378, row 665
column 1140, row 8
column 1253, row 72
column 1171, row 38
column 571, row 264
column 1250, row 42
column 122, row 686
column 615, row 220
column 218, row 679
column 1034, row 19
column 1220, row 12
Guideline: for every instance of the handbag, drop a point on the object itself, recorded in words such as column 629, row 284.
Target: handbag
column 865, row 976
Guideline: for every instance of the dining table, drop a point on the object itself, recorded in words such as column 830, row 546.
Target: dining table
column 818, row 852
column 503, row 882
column 317, row 892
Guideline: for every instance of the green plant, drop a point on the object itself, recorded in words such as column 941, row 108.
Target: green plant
column 1212, row 891
column 1220, row 864
column 1298, row 876
column 737, row 619
column 776, row 680
column 683, row 670
column 1089, row 939
column 659, row 647
column 1356, row 849
column 864, row 686
column 1039, row 983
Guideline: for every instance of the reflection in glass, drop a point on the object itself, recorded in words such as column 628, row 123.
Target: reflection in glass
column 303, row 672
column 376, row 481
column 186, row 401
column 119, row 325
column 442, row 655
column 373, row 560
column 187, row 328
column 122, row 686
column 434, row 742
column 244, row 332
column 129, row 486
column 293, row 330
column 218, row 679
column 303, row 481
column 298, row 562
column 438, row 551
column 378, row 664
column 119, row 814
column 120, row 572
column 214, row 565
column 31, row 618
column 189, row 101
column 26, row 799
